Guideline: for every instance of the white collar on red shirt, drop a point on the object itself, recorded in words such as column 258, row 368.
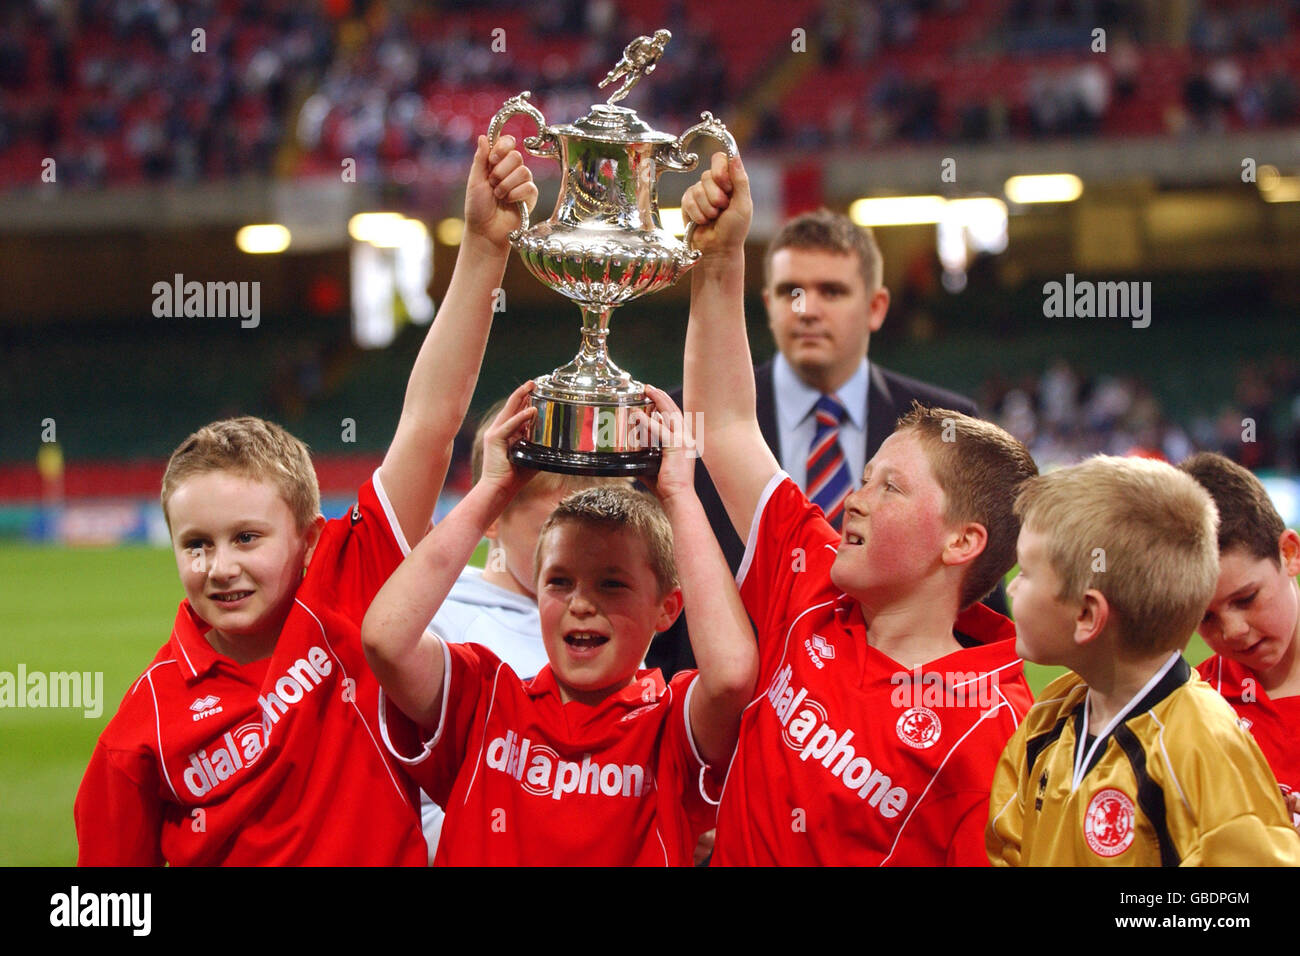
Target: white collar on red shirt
column 191, row 649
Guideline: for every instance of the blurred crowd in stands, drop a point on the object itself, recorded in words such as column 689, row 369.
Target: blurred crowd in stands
column 118, row 91
column 1064, row 416
column 409, row 93
column 123, row 90
column 1041, row 68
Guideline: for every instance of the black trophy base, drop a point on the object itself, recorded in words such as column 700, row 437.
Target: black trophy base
column 622, row 464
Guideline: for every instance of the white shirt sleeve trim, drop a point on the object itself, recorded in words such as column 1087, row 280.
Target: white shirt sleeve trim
column 751, row 545
column 393, row 524
column 686, row 715
column 157, row 722
column 429, row 744
column 704, row 768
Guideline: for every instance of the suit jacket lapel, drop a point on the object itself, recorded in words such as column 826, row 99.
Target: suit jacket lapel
column 765, row 407
column 882, row 412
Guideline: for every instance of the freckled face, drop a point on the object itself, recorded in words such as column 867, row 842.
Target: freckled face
column 894, row 532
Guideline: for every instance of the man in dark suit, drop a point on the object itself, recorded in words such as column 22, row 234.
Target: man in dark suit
column 824, row 296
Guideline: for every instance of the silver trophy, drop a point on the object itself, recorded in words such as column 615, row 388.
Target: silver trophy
column 602, row 246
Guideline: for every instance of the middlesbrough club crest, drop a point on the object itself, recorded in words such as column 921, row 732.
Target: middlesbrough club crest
column 919, row 727
column 1109, row 822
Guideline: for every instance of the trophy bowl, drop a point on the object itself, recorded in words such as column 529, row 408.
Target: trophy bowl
column 603, row 246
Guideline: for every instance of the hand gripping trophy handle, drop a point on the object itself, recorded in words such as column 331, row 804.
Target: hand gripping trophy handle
column 707, row 126
column 544, row 144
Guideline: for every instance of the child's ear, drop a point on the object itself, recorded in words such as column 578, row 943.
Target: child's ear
column 670, row 607
column 966, row 543
column 313, row 539
column 1094, row 612
column 1288, row 547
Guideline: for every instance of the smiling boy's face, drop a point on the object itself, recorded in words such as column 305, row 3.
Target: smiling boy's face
column 599, row 604
column 240, row 556
column 1255, row 614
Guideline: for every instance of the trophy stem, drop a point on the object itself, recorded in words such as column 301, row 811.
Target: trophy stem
column 591, row 370
column 595, row 327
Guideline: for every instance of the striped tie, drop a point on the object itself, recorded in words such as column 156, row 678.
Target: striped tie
column 828, row 480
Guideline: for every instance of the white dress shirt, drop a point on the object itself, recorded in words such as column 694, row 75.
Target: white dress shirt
column 796, row 424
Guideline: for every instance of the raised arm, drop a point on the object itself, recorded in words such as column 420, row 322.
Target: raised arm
column 720, row 632
column 718, row 373
column 403, row 653
column 445, row 372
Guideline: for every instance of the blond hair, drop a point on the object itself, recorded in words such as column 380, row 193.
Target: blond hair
column 980, row 468
column 1139, row 531
column 254, row 448
column 615, row 507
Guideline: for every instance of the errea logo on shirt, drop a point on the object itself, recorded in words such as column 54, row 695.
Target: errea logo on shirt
column 819, row 649
column 205, row 707
column 541, row 771
column 808, row 732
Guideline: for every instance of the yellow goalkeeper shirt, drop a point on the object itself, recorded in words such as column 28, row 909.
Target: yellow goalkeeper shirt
column 1171, row 781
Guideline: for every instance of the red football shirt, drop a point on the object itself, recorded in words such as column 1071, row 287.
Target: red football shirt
column 1274, row 724
column 270, row 763
column 527, row 780
column 846, row 757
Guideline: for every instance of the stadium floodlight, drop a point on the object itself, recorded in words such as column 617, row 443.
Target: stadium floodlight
column 450, row 231
column 976, row 224
column 400, row 233
column 898, row 210
column 984, row 217
column 1274, row 187
column 671, row 218
column 374, row 226
column 392, row 265
column 1053, row 187
column 262, row 238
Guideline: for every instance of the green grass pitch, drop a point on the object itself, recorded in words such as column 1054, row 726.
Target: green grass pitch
column 103, row 610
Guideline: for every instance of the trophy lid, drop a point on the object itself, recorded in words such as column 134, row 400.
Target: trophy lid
column 613, row 124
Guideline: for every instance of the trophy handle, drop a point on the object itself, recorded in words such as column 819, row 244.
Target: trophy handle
column 678, row 158
column 544, row 144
